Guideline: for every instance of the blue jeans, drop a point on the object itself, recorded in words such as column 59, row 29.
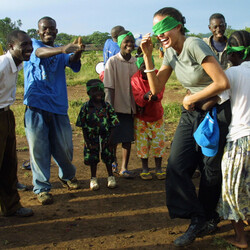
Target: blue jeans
column 48, row 134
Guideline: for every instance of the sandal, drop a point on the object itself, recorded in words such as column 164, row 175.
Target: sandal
column 146, row 176
column 161, row 175
column 115, row 168
column 126, row 174
column 26, row 165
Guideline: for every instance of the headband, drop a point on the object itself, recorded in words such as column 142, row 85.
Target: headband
column 166, row 24
column 98, row 85
column 237, row 49
column 140, row 61
column 121, row 37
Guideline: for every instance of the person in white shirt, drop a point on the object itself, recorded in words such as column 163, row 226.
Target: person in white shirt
column 234, row 203
column 19, row 50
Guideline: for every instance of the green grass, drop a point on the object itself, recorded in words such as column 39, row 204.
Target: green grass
column 220, row 243
column 89, row 61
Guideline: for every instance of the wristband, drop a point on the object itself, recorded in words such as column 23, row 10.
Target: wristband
column 149, row 70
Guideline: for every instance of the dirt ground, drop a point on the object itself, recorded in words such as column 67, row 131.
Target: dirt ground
column 132, row 216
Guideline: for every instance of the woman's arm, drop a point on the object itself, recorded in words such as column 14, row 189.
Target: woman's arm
column 156, row 82
column 219, row 84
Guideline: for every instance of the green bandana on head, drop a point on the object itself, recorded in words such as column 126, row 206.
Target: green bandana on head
column 166, row 24
column 140, row 61
column 121, row 37
column 98, row 85
column 237, row 49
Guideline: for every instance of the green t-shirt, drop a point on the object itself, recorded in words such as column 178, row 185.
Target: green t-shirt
column 187, row 65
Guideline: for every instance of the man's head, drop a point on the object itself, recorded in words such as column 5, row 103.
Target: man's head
column 217, row 26
column 115, row 31
column 20, row 46
column 47, row 30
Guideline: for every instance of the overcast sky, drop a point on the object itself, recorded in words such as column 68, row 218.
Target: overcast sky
column 83, row 17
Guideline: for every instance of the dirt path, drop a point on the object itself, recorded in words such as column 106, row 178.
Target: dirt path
column 132, row 216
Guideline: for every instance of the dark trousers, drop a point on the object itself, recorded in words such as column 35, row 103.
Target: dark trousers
column 9, row 197
column 185, row 157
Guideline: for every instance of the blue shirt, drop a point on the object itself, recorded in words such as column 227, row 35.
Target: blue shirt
column 45, row 81
column 218, row 46
column 110, row 48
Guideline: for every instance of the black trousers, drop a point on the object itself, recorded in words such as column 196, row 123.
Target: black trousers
column 9, row 197
column 185, row 156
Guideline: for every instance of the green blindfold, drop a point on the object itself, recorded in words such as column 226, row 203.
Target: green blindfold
column 140, row 61
column 121, row 37
column 98, row 85
column 237, row 49
column 166, row 24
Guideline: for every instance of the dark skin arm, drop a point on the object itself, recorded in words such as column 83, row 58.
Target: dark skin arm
column 76, row 47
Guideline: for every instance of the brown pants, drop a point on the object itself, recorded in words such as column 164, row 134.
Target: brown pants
column 9, row 197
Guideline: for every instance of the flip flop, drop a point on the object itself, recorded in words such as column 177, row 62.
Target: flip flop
column 146, row 176
column 160, row 175
column 26, row 165
column 126, row 174
column 115, row 168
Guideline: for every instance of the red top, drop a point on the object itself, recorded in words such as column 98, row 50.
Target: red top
column 152, row 110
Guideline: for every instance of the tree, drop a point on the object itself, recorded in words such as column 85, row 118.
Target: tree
column 33, row 33
column 98, row 38
column 63, row 38
column 6, row 26
column 229, row 31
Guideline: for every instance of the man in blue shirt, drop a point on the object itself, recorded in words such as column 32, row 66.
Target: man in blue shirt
column 47, row 123
column 111, row 47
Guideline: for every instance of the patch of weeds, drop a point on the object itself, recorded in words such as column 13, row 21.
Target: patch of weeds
column 221, row 243
column 22, row 149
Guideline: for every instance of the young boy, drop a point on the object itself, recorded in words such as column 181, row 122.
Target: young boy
column 111, row 47
column 218, row 41
column 117, row 81
column 97, row 119
column 20, row 49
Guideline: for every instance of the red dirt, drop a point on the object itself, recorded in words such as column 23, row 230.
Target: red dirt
column 132, row 216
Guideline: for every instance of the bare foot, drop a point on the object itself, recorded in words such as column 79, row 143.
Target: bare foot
column 236, row 243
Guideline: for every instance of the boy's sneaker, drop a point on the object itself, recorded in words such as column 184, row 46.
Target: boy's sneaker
column 111, row 182
column 45, row 198
column 94, row 184
column 70, row 184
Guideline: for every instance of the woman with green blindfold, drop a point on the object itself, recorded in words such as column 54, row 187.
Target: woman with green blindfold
column 200, row 73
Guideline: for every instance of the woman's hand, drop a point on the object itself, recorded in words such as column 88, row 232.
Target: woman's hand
column 187, row 103
column 147, row 45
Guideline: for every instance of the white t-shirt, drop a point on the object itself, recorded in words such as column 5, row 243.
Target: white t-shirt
column 8, row 79
column 239, row 92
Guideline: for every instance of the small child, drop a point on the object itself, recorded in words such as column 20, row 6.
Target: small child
column 149, row 124
column 97, row 119
column 117, row 82
column 234, row 203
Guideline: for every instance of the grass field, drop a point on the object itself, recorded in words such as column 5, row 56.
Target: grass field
column 89, row 61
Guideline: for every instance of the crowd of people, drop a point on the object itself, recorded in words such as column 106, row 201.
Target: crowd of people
column 125, row 106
